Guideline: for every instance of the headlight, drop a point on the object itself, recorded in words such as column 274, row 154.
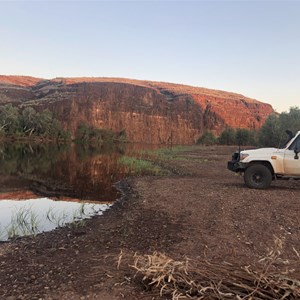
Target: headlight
column 243, row 156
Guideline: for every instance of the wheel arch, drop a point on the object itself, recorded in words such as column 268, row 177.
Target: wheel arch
column 264, row 163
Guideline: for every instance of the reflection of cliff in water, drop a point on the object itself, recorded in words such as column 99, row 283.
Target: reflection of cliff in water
column 84, row 172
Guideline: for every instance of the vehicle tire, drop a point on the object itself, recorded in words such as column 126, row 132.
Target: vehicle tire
column 258, row 177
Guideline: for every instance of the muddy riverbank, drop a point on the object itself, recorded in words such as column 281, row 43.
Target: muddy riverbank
column 202, row 211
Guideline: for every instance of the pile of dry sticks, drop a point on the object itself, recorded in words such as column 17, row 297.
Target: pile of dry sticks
column 194, row 279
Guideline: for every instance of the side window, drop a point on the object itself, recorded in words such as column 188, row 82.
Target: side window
column 296, row 144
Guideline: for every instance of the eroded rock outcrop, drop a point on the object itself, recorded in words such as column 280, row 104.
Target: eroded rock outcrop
column 150, row 112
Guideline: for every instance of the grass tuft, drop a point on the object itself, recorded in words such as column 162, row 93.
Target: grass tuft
column 139, row 166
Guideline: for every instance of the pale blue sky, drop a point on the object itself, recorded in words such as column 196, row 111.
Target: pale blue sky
column 248, row 47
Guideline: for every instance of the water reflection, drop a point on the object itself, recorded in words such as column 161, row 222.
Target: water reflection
column 45, row 186
column 56, row 171
column 27, row 217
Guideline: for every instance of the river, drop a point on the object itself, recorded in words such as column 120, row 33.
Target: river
column 45, row 186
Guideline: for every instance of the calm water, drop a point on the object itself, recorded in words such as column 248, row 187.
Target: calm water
column 46, row 186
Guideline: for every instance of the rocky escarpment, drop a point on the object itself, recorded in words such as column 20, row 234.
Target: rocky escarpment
column 150, row 112
column 14, row 89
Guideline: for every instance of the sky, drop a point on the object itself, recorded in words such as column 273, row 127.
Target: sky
column 247, row 47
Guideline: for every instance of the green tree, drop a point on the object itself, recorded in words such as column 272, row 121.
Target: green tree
column 243, row 137
column 290, row 120
column 45, row 123
column 28, row 120
column 270, row 132
column 227, row 137
column 207, row 138
column 82, row 132
column 9, row 119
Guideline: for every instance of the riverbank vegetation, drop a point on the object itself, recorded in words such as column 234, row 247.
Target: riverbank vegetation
column 29, row 123
column 271, row 134
column 139, row 166
column 156, row 161
column 85, row 133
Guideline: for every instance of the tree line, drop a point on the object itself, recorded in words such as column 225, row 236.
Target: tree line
column 28, row 122
column 271, row 134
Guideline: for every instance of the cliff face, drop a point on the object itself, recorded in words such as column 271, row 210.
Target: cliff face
column 150, row 112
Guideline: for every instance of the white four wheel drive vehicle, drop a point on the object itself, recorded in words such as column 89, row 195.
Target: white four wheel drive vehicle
column 261, row 166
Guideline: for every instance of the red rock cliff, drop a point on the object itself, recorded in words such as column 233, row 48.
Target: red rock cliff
column 150, row 112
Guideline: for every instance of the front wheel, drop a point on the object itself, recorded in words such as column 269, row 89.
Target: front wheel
column 258, row 177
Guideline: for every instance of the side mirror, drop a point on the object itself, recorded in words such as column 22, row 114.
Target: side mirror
column 296, row 153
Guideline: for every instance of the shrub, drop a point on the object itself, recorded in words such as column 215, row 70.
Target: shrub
column 227, row 137
column 207, row 138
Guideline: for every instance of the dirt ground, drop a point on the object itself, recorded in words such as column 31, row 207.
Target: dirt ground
column 205, row 211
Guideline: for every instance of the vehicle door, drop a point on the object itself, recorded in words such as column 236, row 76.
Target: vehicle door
column 291, row 163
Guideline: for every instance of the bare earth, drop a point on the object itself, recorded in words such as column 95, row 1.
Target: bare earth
column 205, row 212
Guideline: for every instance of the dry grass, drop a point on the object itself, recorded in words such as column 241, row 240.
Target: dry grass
column 191, row 279
column 19, row 80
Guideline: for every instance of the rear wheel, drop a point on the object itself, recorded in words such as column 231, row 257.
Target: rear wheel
column 258, row 177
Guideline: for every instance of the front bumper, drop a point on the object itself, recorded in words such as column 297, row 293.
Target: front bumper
column 236, row 166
